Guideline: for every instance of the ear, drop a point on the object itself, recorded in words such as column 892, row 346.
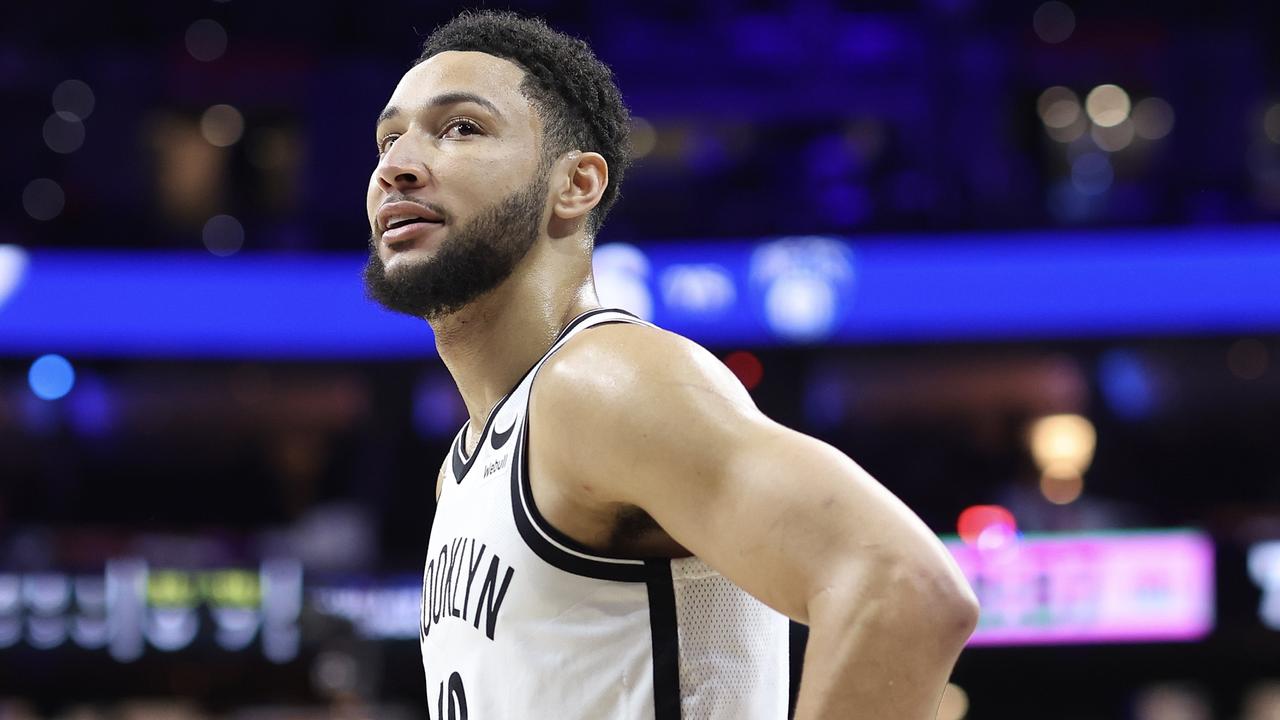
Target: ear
column 584, row 176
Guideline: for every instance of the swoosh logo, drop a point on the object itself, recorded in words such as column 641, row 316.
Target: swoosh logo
column 498, row 439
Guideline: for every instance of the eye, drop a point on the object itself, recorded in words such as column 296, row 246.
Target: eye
column 460, row 127
column 385, row 143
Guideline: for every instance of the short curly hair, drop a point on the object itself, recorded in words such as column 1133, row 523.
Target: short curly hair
column 573, row 92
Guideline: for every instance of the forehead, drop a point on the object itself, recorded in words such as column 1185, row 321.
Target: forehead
column 493, row 78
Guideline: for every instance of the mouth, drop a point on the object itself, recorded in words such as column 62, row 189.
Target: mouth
column 403, row 235
column 403, row 219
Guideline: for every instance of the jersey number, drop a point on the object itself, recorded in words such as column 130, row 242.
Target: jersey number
column 456, row 698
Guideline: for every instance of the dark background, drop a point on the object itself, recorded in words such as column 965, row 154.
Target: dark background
column 753, row 119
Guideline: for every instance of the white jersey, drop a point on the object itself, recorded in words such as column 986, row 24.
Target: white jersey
column 521, row 621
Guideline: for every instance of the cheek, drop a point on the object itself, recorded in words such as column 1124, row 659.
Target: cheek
column 373, row 197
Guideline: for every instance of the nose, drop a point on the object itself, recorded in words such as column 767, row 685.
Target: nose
column 401, row 169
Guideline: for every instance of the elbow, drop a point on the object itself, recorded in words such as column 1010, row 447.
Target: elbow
column 945, row 602
column 935, row 599
column 915, row 601
column 962, row 612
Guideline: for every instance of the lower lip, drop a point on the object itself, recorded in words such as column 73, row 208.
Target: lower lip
column 409, row 232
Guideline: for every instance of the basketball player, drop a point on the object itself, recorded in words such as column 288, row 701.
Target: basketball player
column 619, row 533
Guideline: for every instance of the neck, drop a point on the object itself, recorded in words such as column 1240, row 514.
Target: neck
column 490, row 344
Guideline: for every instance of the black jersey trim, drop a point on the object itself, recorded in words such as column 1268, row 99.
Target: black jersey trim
column 578, row 321
column 547, row 541
column 666, row 640
column 542, row 538
column 462, row 463
column 460, row 440
column 458, row 455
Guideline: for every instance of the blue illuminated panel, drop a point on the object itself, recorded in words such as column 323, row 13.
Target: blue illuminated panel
column 780, row 291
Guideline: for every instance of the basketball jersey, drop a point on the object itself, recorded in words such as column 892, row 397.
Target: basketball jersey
column 520, row 621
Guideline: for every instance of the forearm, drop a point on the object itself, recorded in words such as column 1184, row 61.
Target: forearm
column 882, row 654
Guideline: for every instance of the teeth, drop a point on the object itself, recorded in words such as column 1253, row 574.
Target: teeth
column 401, row 220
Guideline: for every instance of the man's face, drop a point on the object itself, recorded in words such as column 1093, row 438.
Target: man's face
column 460, row 191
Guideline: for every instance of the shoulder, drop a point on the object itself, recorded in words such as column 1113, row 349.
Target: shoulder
column 625, row 400
column 628, row 367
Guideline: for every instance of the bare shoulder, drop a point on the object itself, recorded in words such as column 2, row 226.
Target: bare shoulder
column 631, row 367
column 624, row 398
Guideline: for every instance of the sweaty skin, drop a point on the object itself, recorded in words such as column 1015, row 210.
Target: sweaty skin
column 643, row 443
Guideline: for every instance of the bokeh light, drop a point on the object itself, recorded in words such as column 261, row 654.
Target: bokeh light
column 747, row 367
column 63, row 132
column 1126, row 384
column 1063, row 445
column 1070, row 133
column 1262, row 701
column 1070, row 206
column 1271, row 123
column 978, row 520
column 51, row 377
column 1248, row 359
column 206, row 40
column 1058, row 107
column 222, row 125
column 1153, row 118
column 74, row 97
column 1062, row 489
column 955, row 703
column 1060, row 111
column 644, row 138
column 43, row 199
column 1091, row 173
column 335, row 673
column 1054, row 21
column 622, row 276
column 1169, row 701
column 1107, row 105
column 1114, row 138
column 92, row 411
column 13, row 268
column 223, row 235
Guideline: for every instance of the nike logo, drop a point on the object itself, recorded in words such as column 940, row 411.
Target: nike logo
column 498, row 439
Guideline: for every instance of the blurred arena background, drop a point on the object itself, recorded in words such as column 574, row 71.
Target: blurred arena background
column 1018, row 259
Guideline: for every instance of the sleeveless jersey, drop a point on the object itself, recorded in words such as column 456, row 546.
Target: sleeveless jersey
column 520, row 621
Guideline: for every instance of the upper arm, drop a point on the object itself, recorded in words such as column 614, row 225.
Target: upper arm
column 649, row 419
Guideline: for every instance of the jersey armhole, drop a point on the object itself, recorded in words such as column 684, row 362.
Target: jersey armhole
column 546, row 540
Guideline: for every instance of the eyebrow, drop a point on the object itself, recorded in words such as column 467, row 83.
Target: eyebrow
column 451, row 98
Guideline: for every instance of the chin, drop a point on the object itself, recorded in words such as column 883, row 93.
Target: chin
column 409, row 256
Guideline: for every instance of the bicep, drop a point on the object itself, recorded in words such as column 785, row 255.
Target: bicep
column 788, row 517
column 781, row 514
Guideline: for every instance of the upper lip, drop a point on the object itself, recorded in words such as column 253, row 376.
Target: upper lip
column 404, row 208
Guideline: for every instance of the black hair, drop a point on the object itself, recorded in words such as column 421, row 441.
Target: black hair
column 573, row 92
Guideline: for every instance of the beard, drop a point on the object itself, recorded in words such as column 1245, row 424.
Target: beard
column 472, row 259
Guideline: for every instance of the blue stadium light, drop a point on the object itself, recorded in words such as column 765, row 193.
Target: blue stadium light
column 1126, row 384
column 975, row 287
column 51, row 377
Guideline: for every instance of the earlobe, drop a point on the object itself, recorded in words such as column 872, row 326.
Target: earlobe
column 587, row 177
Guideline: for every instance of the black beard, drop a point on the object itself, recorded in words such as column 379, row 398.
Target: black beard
column 472, row 260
